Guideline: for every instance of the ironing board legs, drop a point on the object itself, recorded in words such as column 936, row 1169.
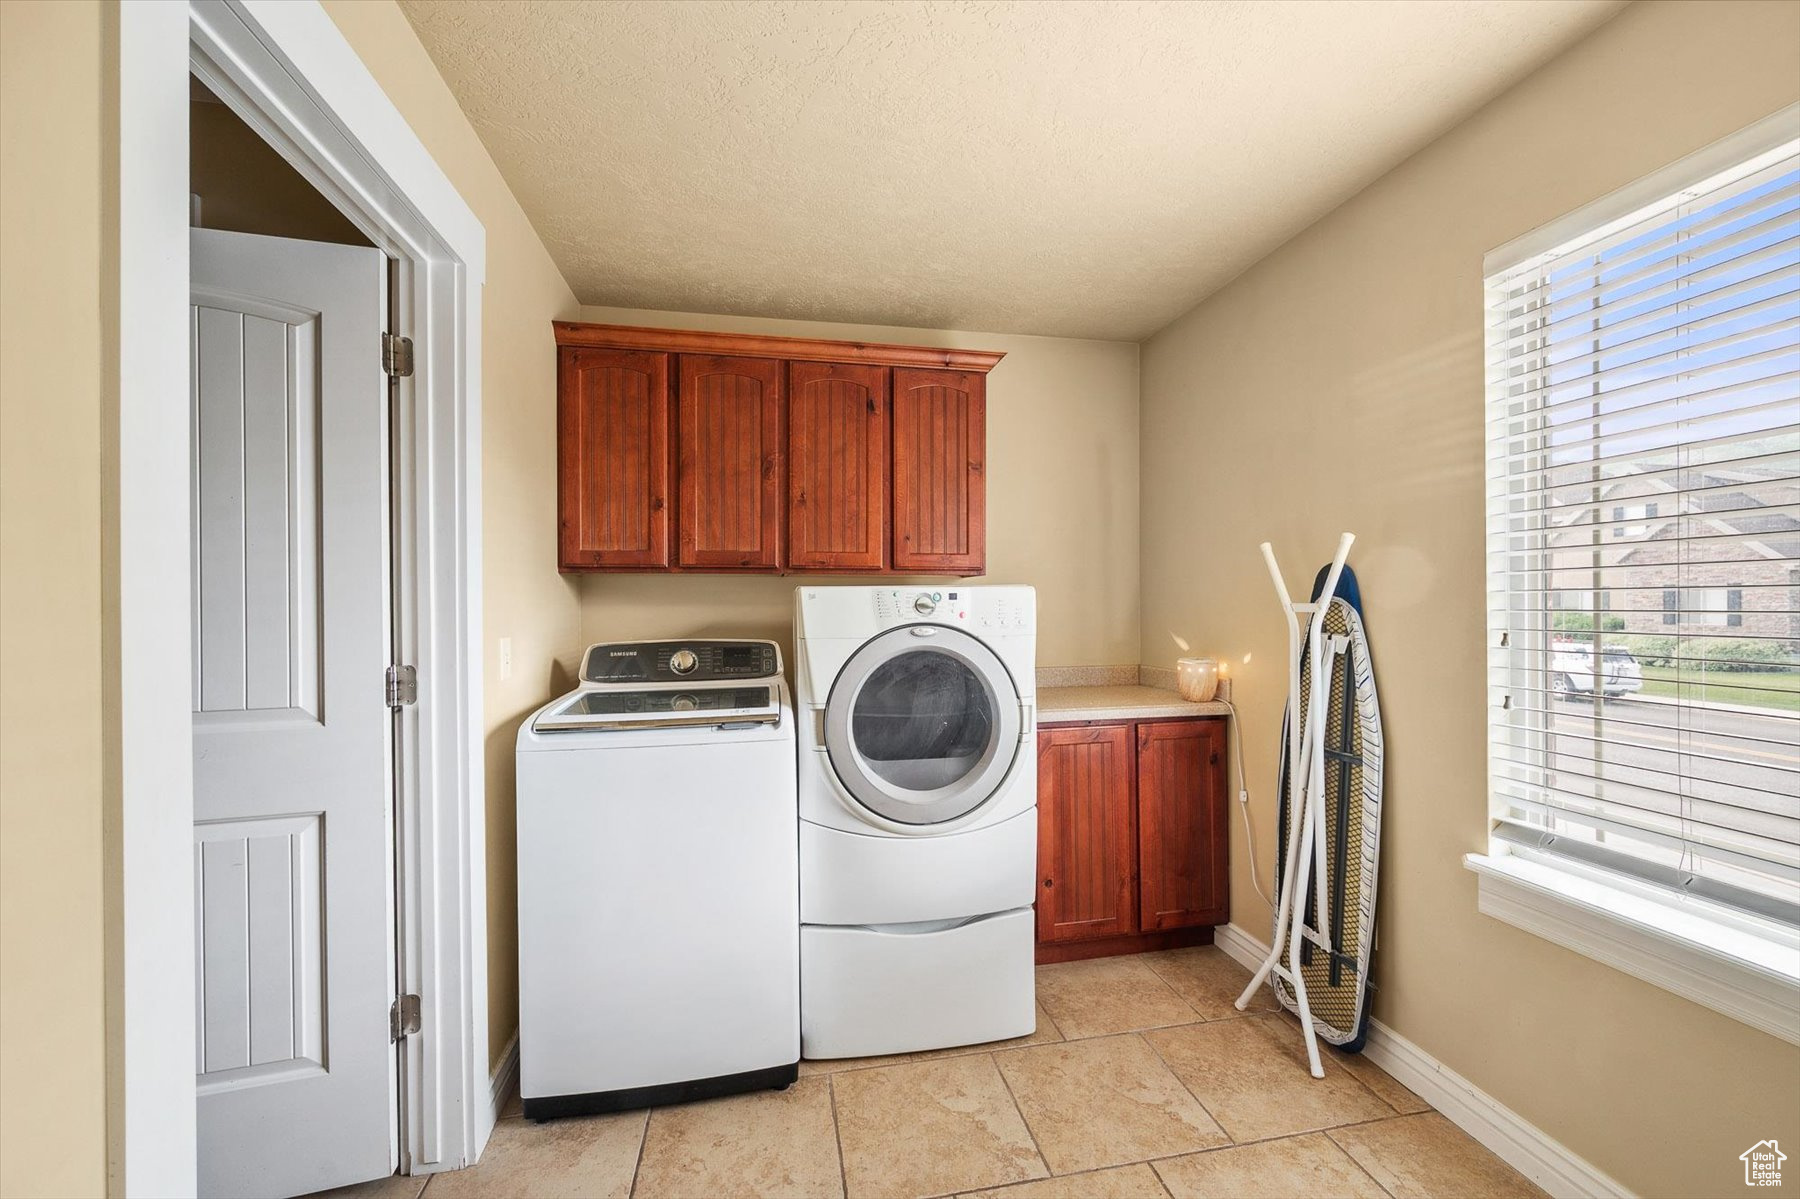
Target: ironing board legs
column 1305, row 849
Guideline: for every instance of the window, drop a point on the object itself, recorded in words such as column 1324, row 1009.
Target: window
column 1644, row 443
column 1712, row 605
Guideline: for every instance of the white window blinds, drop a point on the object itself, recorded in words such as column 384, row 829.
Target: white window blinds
column 1643, row 548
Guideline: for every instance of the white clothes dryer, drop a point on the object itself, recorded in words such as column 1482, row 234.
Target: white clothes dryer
column 918, row 816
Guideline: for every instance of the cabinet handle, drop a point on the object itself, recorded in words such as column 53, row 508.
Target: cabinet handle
column 1048, row 883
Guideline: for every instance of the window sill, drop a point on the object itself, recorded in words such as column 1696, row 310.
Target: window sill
column 1733, row 967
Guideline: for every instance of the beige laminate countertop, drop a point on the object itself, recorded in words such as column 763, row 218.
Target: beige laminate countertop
column 1126, row 702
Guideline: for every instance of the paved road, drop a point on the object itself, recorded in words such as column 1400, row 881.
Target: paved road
column 1639, row 746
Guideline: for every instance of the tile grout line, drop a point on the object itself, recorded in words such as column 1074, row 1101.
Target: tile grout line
column 1176, row 1075
column 991, row 1046
column 1325, row 1055
column 1148, row 1161
column 1379, row 1185
column 994, row 1061
column 1153, row 1162
column 1010, row 1186
column 637, row 1166
column 1169, row 1157
column 1173, row 993
column 837, row 1136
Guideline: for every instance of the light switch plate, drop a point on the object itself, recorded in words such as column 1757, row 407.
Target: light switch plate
column 505, row 658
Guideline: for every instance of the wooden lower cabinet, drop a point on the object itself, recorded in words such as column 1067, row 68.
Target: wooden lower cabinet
column 1086, row 851
column 1183, row 849
column 1132, row 837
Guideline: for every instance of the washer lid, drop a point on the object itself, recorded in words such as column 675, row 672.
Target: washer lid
column 922, row 724
column 615, row 709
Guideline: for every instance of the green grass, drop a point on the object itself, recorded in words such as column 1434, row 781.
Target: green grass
column 1762, row 689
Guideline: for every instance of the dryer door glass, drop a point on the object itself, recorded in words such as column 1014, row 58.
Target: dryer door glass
column 922, row 721
column 923, row 725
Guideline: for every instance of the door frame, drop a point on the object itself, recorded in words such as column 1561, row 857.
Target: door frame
column 287, row 70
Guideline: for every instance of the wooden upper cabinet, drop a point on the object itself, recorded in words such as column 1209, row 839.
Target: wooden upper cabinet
column 612, row 459
column 687, row 450
column 1183, row 835
column 940, row 465
column 837, row 441
column 1085, row 841
column 730, row 455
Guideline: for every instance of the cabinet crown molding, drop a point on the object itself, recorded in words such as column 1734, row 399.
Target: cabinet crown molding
column 579, row 334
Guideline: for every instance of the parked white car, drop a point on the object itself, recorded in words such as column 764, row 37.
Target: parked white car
column 1573, row 672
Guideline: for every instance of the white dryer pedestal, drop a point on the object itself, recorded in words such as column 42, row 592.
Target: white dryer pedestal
column 905, row 988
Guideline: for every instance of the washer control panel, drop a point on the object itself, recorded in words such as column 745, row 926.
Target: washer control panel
column 680, row 661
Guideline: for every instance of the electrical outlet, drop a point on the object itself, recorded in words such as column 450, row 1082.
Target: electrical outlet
column 505, row 658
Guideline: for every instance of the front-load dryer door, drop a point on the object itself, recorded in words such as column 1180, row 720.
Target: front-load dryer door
column 922, row 725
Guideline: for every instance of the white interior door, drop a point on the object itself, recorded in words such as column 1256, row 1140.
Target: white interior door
column 293, row 860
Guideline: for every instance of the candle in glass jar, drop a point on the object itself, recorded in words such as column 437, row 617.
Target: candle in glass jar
column 1197, row 679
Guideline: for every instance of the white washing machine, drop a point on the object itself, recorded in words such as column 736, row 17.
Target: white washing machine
column 918, row 816
column 658, row 880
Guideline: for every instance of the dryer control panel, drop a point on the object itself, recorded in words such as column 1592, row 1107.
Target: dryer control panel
column 680, row 661
column 996, row 610
column 906, row 604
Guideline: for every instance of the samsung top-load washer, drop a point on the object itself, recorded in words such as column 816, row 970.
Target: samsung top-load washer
column 918, row 816
column 658, row 886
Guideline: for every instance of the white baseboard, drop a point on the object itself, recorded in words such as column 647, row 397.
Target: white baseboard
column 505, row 1079
column 1520, row 1144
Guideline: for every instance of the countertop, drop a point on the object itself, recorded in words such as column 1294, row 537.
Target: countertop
column 1123, row 702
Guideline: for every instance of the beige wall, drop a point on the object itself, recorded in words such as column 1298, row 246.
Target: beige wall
column 52, row 1064
column 1062, row 499
column 1338, row 385
column 523, row 596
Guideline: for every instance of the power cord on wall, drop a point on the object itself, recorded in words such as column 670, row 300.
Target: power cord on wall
column 1237, row 740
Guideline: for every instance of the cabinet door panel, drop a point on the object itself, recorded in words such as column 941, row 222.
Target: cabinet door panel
column 1085, row 844
column 1182, row 847
column 729, row 473
column 837, row 466
column 612, row 459
column 940, row 464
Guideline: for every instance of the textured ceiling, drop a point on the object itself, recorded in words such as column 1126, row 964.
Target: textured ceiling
column 1076, row 169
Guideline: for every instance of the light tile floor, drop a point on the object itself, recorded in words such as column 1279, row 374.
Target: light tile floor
column 1141, row 1080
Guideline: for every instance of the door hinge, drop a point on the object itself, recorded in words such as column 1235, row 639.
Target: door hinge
column 403, row 1017
column 396, row 356
column 402, row 686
